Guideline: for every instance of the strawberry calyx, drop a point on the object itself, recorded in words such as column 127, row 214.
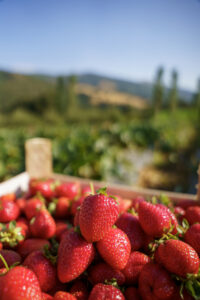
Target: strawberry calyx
column 11, row 235
column 51, row 253
column 52, row 206
column 114, row 283
column 166, row 236
column 191, row 283
column 54, row 185
column 133, row 212
column 183, row 227
column 102, row 191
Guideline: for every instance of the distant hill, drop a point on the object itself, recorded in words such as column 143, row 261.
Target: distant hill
column 140, row 89
column 101, row 89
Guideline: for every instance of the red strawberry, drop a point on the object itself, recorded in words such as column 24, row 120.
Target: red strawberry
column 1, row 246
column 155, row 283
column 20, row 283
column 9, row 211
column 31, row 245
column 186, row 296
column 115, row 248
column 192, row 237
column 61, row 228
column 12, row 235
column 185, row 203
column 68, row 189
column 173, row 219
column 131, row 226
column 8, row 197
column 102, row 271
column 193, row 214
column 74, row 256
column 43, row 268
column 45, row 188
column 79, row 290
column 11, row 257
column 76, row 204
column 131, row 293
column 136, row 262
column 178, row 257
column 21, row 202
column 24, row 224
column 64, row 296
column 179, row 213
column 98, row 214
column 154, row 220
column 59, row 207
column 102, row 292
column 136, row 201
column 32, row 207
column 76, row 218
column 46, row 296
column 86, row 191
column 43, row 225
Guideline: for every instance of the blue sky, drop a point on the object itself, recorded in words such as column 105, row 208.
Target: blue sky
column 122, row 38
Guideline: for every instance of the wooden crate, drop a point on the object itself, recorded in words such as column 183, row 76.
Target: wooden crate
column 20, row 183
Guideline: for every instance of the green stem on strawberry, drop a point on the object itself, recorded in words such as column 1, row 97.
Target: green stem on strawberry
column 4, row 262
column 11, row 235
column 92, row 187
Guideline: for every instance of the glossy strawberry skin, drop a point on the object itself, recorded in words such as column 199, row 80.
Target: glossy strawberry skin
column 134, row 266
column 154, row 220
column 62, row 207
column 74, row 256
column 11, row 257
column 32, row 207
column 20, row 283
column 192, row 237
column 102, row 271
column 9, row 211
column 173, row 220
column 46, row 296
column 61, row 228
column 31, row 245
column 63, row 296
column 44, row 270
column 155, row 283
column 79, row 290
column 185, row 203
column 131, row 293
column 42, row 187
column 115, row 248
column 131, row 226
column 101, row 291
column 76, row 204
column 98, row 214
column 178, row 257
column 68, row 189
column 43, row 225
column 193, row 214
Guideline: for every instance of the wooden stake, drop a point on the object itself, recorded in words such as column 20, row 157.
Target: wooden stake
column 39, row 157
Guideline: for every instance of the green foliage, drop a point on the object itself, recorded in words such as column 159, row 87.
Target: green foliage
column 173, row 93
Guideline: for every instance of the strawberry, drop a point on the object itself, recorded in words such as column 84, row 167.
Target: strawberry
column 173, row 219
column 192, row 237
column 74, row 256
column 193, row 214
column 179, row 213
column 102, row 292
column 8, row 197
column 59, row 207
column 76, row 218
column 79, row 290
column 1, row 246
column 155, row 283
column 44, row 270
column 24, row 225
column 68, row 189
column 102, row 271
column 185, row 296
column 31, row 245
column 132, row 270
column 44, row 188
column 21, row 203
column 136, row 201
column 61, row 228
column 178, row 257
column 115, row 248
column 98, row 214
column 131, row 226
column 32, row 207
column 86, row 191
column 185, row 203
column 46, row 296
column 43, row 225
column 11, row 257
column 64, row 296
column 20, row 283
column 9, row 210
column 154, row 219
column 76, row 204
column 12, row 235
column 131, row 293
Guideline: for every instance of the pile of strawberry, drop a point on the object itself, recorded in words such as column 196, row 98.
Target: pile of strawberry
column 62, row 241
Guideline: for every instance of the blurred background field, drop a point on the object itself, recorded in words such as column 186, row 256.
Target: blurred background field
column 139, row 124
column 155, row 144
